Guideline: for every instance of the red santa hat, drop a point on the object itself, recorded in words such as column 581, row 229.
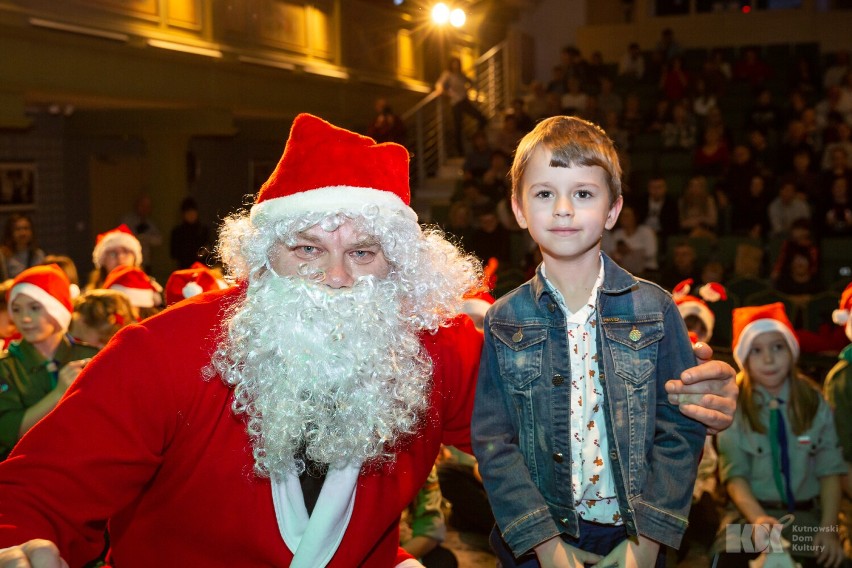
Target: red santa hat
column 121, row 236
column 327, row 168
column 841, row 315
column 134, row 283
column 751, row 321
column 190, row 282
column 689, row 305
column 49, row 286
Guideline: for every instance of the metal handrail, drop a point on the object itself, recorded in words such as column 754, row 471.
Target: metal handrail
column 426, row 119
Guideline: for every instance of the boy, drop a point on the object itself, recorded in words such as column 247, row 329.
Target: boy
column 38, row 368
column 581, row 453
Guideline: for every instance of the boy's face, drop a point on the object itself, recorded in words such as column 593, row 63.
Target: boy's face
column 32, row 320
column 566, row 210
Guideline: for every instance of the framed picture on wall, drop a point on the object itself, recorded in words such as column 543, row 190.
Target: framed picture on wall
column 259, row 172
column 17, row 186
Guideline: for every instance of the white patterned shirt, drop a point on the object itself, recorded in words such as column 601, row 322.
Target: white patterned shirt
column 591, row 478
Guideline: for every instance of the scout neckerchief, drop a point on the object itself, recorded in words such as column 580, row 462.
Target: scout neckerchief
column 780, row 453
column 51, row 365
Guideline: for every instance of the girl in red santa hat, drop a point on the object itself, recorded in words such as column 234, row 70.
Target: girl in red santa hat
column 781, row 454
column 113, row 248
column 37, row 369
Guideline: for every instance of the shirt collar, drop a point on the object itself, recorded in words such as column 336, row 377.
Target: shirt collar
column 585, row 313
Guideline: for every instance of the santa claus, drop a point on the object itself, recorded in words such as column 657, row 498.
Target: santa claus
column 285, row 421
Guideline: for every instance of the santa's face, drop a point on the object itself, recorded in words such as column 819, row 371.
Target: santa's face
column 336, row 258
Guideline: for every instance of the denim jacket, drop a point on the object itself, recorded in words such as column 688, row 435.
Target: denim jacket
column 520, row 426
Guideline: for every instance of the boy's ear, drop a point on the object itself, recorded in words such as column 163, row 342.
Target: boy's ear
column 614, row 211
column 519, row 213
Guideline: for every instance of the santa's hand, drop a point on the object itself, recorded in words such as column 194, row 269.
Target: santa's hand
column 36, row 553
column 706, row 393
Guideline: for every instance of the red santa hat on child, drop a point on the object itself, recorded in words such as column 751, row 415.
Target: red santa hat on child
column 689, row 305
column 121, row 236
column 327, row 168
column 751, row 321
column 47, row 285
column 134, row 283
column 841, row 315
column 189, row 282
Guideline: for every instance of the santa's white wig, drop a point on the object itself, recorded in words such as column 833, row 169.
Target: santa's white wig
column 431, row 274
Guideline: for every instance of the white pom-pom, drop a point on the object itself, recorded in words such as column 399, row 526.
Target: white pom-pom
column 74, row 290
column 840, row 317
column 191, row 289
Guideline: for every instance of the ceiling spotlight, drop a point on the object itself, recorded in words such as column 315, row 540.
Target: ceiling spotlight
column 440, row 13
column 457, row 18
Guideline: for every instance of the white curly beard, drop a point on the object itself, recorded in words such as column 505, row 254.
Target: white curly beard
column 337, row 371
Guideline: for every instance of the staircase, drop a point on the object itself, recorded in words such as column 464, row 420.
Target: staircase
column 434, row 174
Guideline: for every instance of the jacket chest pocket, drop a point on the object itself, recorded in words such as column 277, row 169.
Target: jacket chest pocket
column 633, row 346
column 519, row 352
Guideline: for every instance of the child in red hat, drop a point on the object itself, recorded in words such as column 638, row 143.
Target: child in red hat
column 113, row 248
column 189, row 282
column 139, row 288
column 781, row 454
column 100, row 314
column 838, row 384
column 37, row 369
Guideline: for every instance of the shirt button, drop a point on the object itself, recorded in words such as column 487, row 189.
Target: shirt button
column 557, row 457
column 558, row 380
column 613, row 455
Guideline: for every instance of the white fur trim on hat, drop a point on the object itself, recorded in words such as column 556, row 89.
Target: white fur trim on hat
column 755, row 328
column 139, row 297
column 191, row 289
column 117, row 239
column 336, row 198
column 692, row 308
column 52, row 306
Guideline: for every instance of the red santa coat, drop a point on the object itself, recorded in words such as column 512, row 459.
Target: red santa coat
column 143, row 440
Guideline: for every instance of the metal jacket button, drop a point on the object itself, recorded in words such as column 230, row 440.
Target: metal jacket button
column 557, row 457
column 558, row 380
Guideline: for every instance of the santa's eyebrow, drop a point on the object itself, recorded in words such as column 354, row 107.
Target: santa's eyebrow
column 366, row 242
column 362, row 242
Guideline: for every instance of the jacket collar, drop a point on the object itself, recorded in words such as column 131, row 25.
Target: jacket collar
column 616, row 280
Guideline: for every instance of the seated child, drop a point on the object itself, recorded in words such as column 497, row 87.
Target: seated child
column 189, row 282
column 99, row 314
column 143, row 293
column 781, row 454
column 582, row 454
column 113, row 248
column 697, row 316
column 422, row 528
column 38, row 368
column 8, row 331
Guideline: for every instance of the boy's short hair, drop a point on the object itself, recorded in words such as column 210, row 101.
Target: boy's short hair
column 573, row 142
